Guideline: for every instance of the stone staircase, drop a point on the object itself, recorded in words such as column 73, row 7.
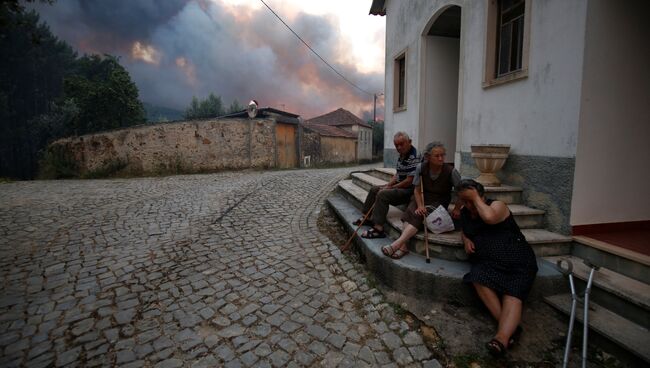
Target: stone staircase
column 620, row 298
column 441, row 280
column 619, row 301
column 449, row 245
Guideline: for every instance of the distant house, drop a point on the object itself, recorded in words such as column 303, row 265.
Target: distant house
column 324, row 144
column 346, row 120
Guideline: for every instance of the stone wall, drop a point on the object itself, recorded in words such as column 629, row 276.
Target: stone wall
column 338, row 149
column 310, row 146
column 188, row 146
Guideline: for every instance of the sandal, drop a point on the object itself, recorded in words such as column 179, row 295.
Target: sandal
column 373, row 233
column 360, row 222
column 399, row 253
column 388, row 250
column 515, row 336
column 495, row 348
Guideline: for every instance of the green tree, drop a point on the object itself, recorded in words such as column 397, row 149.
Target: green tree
column 32, row 68
column 106, row 96
column 211, row 107
column 235, row 106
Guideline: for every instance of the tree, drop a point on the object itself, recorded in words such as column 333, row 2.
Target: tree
column 106, row 96
column 46, row 92
column 235, row 107
column 32, row 68
column 211, row 107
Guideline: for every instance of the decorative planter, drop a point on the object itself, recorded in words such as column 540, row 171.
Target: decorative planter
column 489, row 160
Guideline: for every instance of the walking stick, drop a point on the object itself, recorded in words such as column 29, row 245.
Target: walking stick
column 424, row 221
column 347, row 244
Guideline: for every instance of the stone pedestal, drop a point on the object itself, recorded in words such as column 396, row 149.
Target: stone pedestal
column 489, row 160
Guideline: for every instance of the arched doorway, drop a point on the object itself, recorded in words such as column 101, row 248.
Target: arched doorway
column 439, row 80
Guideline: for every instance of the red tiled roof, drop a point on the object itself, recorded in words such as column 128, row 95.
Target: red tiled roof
column 329, row 130
column 339, row 117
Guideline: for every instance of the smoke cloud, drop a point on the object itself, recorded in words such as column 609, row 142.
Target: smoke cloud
column 176, row 49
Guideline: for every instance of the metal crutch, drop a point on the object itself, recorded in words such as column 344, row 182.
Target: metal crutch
column 574, row 301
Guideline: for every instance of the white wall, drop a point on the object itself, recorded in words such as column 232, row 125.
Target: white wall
column 537, row 115
column 613, row 156
column 441, row 92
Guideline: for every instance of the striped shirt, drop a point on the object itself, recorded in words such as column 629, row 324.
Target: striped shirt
column 406, row 166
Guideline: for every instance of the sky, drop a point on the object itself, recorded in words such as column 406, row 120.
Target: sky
column 237, row 49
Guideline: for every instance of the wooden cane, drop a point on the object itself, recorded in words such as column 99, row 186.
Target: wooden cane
column 347, row 244
column 424, row 221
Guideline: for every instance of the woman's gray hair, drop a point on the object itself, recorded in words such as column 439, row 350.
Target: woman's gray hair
column 432, row 145
column 403, row 135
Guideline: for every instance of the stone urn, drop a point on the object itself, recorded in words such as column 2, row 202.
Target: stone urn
column 489, row 160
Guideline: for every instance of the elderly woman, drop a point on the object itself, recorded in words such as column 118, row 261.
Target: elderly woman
column 437, row 180
column 503, row 263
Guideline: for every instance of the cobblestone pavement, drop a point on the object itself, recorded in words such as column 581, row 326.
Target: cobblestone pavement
column 196, row 271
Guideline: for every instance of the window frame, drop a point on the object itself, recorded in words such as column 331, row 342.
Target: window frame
column 490, row 73
column 397, row 107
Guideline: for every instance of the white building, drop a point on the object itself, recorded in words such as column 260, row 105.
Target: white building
column 566, row 83
column 344, row 119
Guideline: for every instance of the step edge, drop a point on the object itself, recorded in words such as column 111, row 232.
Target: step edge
column 553, row 300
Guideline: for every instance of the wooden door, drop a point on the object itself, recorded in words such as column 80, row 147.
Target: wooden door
column 285, row 135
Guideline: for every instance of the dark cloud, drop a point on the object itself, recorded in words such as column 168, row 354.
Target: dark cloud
column 237, row 53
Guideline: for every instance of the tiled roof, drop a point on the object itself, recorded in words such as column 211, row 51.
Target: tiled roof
column 329, row 130
column 339, row 117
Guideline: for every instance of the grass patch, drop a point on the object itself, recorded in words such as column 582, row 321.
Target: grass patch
column 112, row 168
column 58, row 163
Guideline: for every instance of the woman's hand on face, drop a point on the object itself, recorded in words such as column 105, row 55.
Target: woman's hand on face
column 472, row 195
column 422, row 211
column 469, row 245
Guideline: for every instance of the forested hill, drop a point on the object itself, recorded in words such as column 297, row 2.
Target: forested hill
column 156, row 114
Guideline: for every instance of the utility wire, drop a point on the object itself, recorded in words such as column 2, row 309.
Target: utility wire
column 315, row 53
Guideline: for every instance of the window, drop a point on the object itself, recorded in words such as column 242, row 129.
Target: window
column 507, row 41
column 510, row 35
column 399, row 83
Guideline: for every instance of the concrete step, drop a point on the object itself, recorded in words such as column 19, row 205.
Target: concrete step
column 440, row 280
column 505, row 193
column 449, row 245
column 366, row 181
column 383, row 173
column 626, row 334
column 630, row 298
column 526, row 217
column 620, row 260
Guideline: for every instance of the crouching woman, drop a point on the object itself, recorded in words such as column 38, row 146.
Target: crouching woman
column 503, row 263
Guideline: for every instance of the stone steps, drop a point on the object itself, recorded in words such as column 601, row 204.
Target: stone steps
column 630, row 298
column 526, row 217
column 449, row 245
column 504, row 193
column 628, row 336
column 440, row 280
column 620, row 260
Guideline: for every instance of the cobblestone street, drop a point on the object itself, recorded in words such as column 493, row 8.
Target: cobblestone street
column 224, row 269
